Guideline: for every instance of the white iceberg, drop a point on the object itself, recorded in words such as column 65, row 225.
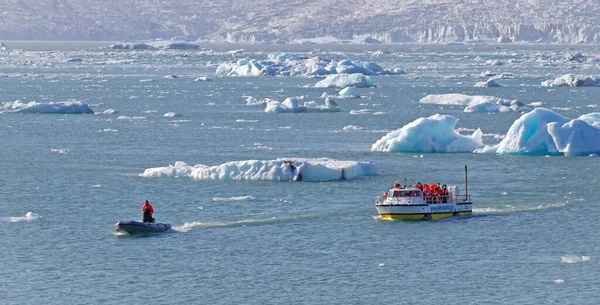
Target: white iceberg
column 571, row 80
column 544, row 132
column 30, row 216
column 172, row 115
column 345, row 80
column 292, row 104
column 434, row 134
column 285, row 64
column 348, row 92
column 490, row 83
column 66, row 107
column 282, row 169
column 474, row 103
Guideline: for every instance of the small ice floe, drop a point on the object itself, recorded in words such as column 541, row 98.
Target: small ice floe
column 30, row 216
column 245, row 121
column 172, row 115
column 60, row 150
column 234, row 198
column 363, row 111
column 131, row 118
column 571, row 80
column 357, row 80
column 536, row 104
column 292, row 104
column 381, row 264
column 66, row 107
column 110, row 130
column 146, row 80
column 108, row 111
column 203, row 79
column 352, row 128
column 559, row 281
column 489, row 83
column 574, row 259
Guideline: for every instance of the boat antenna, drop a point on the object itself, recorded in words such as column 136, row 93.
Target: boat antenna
column 466, row 185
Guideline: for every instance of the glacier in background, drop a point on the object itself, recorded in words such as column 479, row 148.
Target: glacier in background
column 387, row 21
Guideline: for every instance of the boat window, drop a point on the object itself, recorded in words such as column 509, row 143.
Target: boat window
column 397, row 194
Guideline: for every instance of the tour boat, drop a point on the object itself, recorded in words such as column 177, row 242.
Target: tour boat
column 407, row 202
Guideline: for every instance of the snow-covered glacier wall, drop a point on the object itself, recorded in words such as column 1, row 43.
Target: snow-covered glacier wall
column 391, row 21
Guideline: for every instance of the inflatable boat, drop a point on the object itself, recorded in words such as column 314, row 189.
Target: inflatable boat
column 132, row 227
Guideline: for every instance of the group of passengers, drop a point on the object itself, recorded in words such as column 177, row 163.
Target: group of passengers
column 434, row 193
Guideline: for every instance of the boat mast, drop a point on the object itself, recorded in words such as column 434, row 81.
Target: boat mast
column 466, row 185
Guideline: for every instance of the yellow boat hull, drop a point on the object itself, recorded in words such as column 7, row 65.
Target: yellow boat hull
column 433, row 216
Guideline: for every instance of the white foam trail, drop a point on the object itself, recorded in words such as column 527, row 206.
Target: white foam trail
column 234, row 198
column 574, row 259
column 30, row 216
column 188, row 226
column 512, row 209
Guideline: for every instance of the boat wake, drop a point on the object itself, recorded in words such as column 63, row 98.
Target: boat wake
column 507, row 209
column 197, row 225
column 574, row 259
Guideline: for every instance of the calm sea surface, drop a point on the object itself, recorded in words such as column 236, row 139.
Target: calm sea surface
column 533, row 237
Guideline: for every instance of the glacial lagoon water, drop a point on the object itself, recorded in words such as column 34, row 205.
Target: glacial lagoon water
column 531, row 240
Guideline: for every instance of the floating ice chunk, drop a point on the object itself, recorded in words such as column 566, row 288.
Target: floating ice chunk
column 571, row 80
column 489, row 106
column 544, row 132
column 288, row 65
column 463, row 99
column 60, row 150
column 489, row 83
column 559, row 281
column 30, row 216
column 245, row 67
column 283, row 169
column 352, row 128
column 291, row 104
column 108, row 111
column 172, row 115
column 203, row 79
column 362, row 111
column 591, row 118
column 433, row 134
column 573, row 259
column 575, row 138
column 348, row 92
column 131, row 46
column 345, row 80
column 67, row 107
column 536, row 104
column 124, row 117
column 234, row 198
column 492, row 62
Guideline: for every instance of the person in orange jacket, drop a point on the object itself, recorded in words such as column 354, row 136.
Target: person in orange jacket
column 147, row 210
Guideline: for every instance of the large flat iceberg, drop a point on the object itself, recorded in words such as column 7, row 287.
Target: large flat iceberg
column 544, row 132
column 67, row 107
column 473, row 103
column 282, row 169
column 435, row 134
column 285, row 64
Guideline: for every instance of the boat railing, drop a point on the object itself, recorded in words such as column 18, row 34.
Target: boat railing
column 426, row 199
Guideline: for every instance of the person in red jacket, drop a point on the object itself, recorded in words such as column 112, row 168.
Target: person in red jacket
column 147, row 210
